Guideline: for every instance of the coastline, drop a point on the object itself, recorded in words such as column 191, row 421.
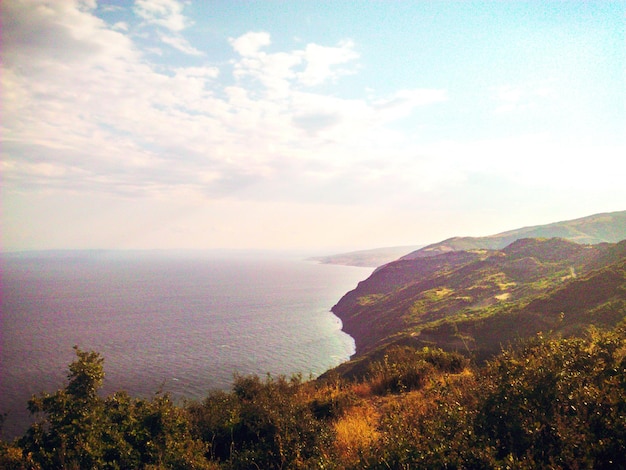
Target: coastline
column 153, row 321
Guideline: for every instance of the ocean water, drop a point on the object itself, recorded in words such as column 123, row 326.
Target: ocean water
column 182, row 323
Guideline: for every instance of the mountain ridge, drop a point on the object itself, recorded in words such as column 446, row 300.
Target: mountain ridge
column 593, row 229
column 597, row 228
column 476, row 301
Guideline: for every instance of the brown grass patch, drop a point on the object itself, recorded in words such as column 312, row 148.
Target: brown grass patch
column 356, row 434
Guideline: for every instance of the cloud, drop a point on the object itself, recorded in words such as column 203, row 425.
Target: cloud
column 321, row 60
column 42, row 30
column 198, row 72
column 311, row 66
column 180, row 43
column 314, row 122
column 403, row 102
column 511, row 99
column 168, row 15
column 87, row 112
column 165, row 13
column 249, row 44
column 121, row 26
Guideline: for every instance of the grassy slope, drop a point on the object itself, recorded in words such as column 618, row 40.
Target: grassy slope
column 597, row 228
column 475, row 302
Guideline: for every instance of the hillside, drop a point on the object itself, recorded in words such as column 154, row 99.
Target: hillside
column 593, row 229
column 476, row 301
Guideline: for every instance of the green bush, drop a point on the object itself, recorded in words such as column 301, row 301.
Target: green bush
column 78, row 429
column 261, row 424
column 558, row 403
column 404, row 368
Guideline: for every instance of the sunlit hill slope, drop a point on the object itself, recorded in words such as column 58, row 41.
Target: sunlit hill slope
column 597, row 228
column 477, row 301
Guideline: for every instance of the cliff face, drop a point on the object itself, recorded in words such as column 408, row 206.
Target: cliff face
column 477, row 300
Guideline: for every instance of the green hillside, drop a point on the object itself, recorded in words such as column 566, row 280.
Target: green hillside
column 511, row 358
column 477, row 301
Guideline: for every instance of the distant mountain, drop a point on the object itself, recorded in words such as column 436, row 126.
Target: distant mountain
column 477, row 301
column 368, row 258
column 597, row 228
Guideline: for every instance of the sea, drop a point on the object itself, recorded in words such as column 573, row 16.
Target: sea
column 183, row 323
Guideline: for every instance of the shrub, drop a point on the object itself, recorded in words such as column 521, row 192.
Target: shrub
column 331, row 401
column 404, row 368
column 558, row 402
column 78, row 429
column 261, row 424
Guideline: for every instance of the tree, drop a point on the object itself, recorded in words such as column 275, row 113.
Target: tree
column 80, row 430
column 68, row 435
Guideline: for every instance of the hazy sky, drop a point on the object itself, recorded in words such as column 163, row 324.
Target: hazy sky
column 330, row 125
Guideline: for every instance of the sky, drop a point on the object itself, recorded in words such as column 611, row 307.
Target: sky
column 317, row 125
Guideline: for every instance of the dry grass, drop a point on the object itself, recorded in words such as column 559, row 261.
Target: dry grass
column 362, row 389
column 356, row 435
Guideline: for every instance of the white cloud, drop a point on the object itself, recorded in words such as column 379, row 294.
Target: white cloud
column 57, row 32
column 203, row 72
column 248, row 45
column 87, row 4
column 121, row 26
column 321, row 60
column 180, row 43
column 403, row 102
column 318, row 63
column 273, row 71
column 510, row 98
column 106, row 120
column 165, row 13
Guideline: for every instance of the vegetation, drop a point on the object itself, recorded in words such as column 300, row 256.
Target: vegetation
column 77, row 429
column 551, row 403
column 454, row 374
column 597, row 228
column 477, row 301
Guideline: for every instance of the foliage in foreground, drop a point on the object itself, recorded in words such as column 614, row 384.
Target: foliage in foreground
column 553, row 403
column 78, row 429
